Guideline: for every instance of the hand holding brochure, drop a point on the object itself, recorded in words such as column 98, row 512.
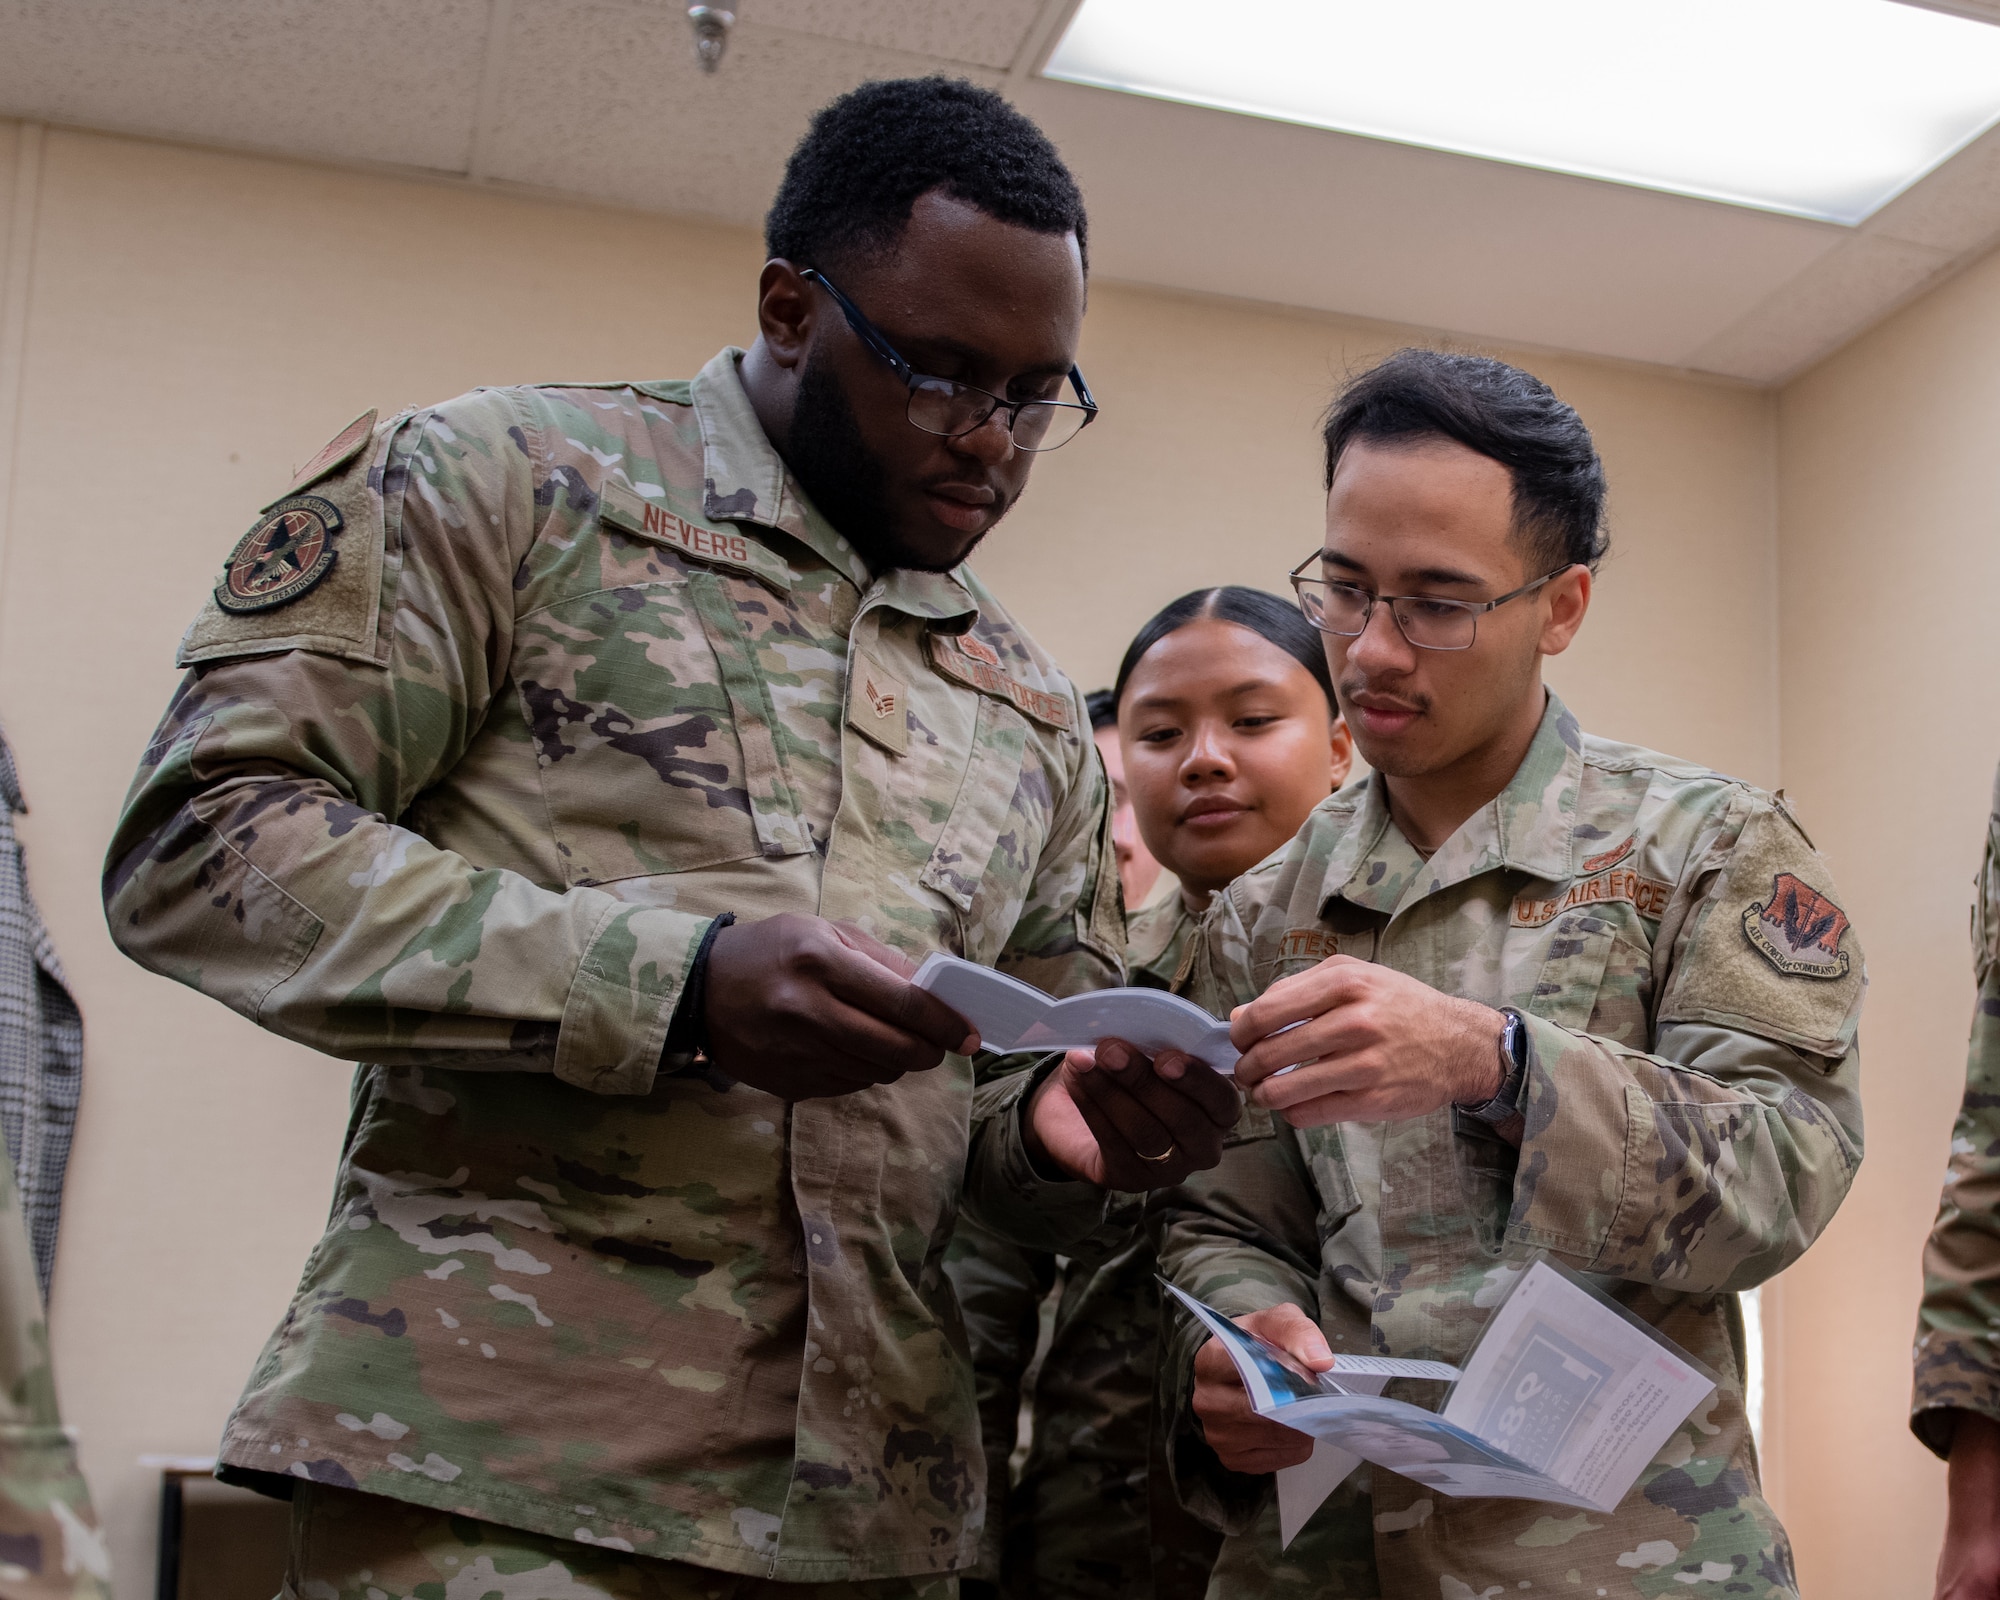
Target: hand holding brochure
column 1564, row 1398
column 1012, row 1016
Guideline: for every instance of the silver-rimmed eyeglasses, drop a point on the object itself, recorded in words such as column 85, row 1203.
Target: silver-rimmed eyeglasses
column 1429, row 622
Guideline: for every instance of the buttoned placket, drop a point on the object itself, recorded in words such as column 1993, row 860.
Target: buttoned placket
column 837, row 1147
column 1426, row 1225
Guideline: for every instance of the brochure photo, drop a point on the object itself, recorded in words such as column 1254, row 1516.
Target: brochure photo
column 1565, row 1398
column 1013, row 1016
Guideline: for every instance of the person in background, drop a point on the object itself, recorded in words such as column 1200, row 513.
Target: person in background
column 1002, row 1286
column 1955, row 1409
column 1551, row 993
column 1226, row 751
column 1138, row 868
column 1228, row 737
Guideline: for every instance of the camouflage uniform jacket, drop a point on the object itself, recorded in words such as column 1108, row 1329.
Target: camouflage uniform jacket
column 1158, row 941
column 1958, row 1325
column 1691, row 994
column 1084, row 1524
column 589, row 671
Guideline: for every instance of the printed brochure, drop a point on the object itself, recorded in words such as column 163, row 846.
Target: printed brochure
column 1566, row 1397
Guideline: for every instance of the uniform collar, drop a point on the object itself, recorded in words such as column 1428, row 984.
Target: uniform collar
column 746, row 480
column 1528, row 827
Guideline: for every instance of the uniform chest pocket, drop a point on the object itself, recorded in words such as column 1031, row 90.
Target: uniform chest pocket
column 636, row 733
column 992, row 839
column 1331, row 1164
column 1594, row 979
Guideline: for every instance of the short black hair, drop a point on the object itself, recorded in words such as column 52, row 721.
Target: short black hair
column 1262, row 612
column 1102, row 705
column 872, row 153
column 1505, row 414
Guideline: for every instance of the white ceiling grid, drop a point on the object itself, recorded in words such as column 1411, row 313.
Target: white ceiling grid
column 602, row 99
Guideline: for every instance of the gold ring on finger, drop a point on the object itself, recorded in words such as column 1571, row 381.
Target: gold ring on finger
column 1167, row 1154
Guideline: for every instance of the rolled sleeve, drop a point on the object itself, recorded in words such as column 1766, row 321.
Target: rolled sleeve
column 622, row 1000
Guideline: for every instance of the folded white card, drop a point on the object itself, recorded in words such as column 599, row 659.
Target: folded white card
column 1012, row 1016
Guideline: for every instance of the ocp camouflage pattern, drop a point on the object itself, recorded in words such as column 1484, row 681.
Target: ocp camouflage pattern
column 1692, row 1122
column 587, row 671
column 1958, row 1324
column 1088, row 1519
column 51, row 1547
column 351, row 1546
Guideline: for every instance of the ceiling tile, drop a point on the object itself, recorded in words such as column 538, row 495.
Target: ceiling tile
column 362, row 80
column 1838, row 296
column 1265, row 210
column 1956, row 208
column 605, row 99
column 986, row 33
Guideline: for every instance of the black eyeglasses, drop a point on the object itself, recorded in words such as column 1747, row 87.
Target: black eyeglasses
column 1429, row 622
column 950, row 409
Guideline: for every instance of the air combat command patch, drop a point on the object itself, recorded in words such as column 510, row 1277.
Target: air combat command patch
column 284, row 556
column 1798, row 930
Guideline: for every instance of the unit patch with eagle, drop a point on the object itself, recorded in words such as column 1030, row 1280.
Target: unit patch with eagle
column 1798, row 930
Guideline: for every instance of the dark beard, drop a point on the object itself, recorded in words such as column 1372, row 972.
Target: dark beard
column 824, row 450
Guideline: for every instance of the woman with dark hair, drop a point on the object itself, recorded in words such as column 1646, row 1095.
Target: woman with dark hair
column 1230, row 737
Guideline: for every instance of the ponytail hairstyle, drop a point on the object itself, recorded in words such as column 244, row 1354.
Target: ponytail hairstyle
column 1263, row 613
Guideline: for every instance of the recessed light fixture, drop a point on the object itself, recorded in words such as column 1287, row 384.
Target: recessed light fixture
column 1819, row 108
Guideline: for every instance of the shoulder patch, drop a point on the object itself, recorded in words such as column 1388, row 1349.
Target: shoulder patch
column 309, row 575
column 342, row 448
column 1798, row 930
column 282, row 557
column 629, row 511
column 977, row 664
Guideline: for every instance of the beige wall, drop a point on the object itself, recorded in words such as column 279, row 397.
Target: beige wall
column 193, row 324
column 1890, row 554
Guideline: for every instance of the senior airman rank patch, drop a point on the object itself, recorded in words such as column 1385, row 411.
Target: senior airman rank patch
column 1798, row 930
column 878, row 704
column 283, row 557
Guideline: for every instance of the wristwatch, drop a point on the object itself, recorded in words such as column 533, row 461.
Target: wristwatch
column 1506, row 1102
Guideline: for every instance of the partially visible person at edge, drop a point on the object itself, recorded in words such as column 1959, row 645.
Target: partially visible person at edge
column 1553, row 993
column 600, row 797
column 51, row 1545
column 1227, row 738
column 1956, row 1406
column 1138, row 867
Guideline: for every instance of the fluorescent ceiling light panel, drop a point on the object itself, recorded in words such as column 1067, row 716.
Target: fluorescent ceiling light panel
column 1820, row 108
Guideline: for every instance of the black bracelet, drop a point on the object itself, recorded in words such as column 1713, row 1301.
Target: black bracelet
column 687, row 1034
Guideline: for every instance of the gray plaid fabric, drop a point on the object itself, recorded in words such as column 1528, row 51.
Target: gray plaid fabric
column 41, row 1040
